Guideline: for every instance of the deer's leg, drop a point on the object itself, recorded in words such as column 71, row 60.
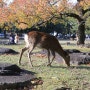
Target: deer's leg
column 53, row 53
column 23, row 50
column 29, row 55
column 48, row 57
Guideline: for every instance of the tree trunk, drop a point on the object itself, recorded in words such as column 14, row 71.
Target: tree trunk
column 81, row 34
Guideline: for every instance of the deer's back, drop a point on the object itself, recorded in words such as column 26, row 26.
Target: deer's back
column 42, row 40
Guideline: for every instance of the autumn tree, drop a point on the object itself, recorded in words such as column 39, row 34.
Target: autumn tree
column 3, row 16
column 29, row 12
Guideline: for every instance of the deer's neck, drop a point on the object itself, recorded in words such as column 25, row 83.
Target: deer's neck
column 61, row 52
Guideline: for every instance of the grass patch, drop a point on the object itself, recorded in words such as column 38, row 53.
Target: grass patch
column 77, row 78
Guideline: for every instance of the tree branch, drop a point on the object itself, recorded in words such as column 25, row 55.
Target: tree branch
column 20, row 22
column 42, row 22
column 73, row 15
column 85, row 11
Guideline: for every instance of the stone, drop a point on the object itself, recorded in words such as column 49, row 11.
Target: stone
column 8, row 51
column 9, row 69
column 13, row 77
column 84, row 59
column 72, row 51
column 79, row 58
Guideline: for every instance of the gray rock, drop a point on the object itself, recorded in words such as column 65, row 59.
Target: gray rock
column 8, row 51
column 12, row 77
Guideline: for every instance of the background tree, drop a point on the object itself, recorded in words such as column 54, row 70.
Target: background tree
column 30, row 12
column 3, row 16
column 81, row 11
column 27, row 13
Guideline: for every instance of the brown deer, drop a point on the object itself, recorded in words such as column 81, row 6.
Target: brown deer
column 45, row 41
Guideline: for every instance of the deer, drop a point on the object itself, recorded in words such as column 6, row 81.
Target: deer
column 45, row 41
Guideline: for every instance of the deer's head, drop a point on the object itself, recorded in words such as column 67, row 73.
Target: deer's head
column 67, row 59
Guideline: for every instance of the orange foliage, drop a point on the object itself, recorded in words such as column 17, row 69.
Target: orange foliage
column 4, row 12
column 84, row 3
column 31, row 11
column 40, row 9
